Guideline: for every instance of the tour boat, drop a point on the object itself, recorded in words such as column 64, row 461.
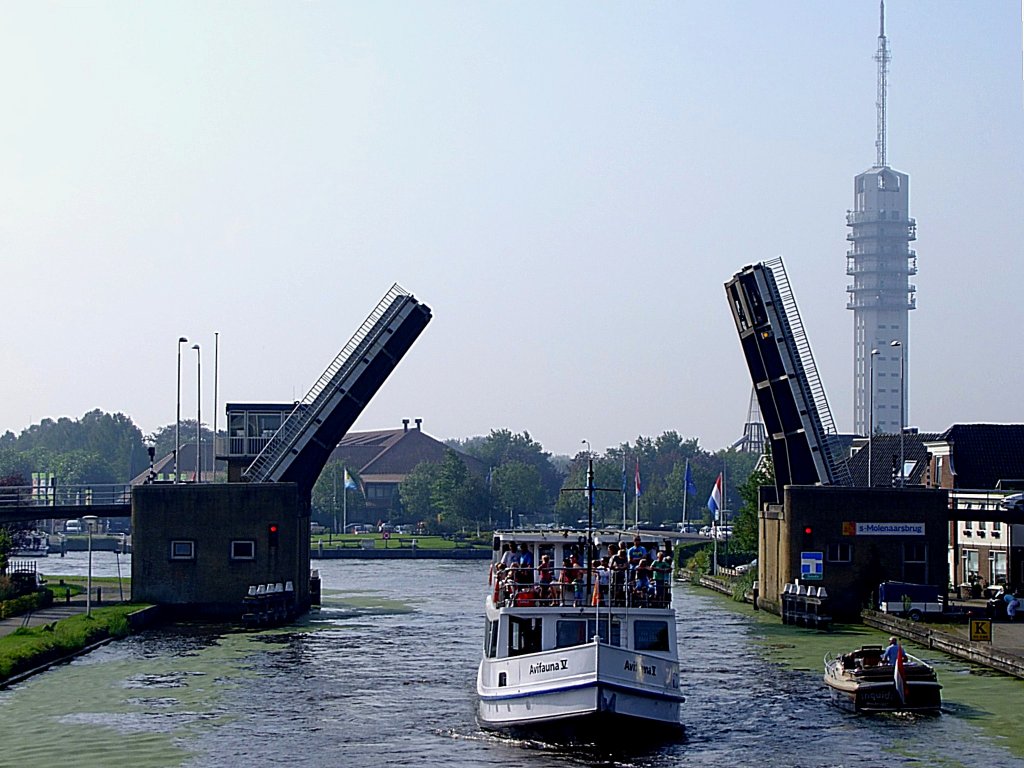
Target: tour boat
column 30, row 544
column 571, row 656
column 860, row 682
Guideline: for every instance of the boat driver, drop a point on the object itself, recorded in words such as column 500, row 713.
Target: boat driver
column 889, row 656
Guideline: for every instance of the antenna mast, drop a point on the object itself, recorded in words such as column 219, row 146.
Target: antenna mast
column 882, row 57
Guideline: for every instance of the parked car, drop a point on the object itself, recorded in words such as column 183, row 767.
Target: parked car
column 705, row 530
column 317, row 528
column 688, row 528
column 722, row 531
column 751, row 566
column 74, row 526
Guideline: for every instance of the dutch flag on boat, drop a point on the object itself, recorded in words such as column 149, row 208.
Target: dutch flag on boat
column 899, row 676
column 715, row 500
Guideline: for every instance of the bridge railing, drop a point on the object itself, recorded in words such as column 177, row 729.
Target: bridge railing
column 115, row 494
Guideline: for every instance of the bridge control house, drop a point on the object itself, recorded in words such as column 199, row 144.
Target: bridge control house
column 850, row 540
column 199, row 547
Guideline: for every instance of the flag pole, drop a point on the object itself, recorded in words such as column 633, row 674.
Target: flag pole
column 686, row 491
column 344, row 504
column 623, row 491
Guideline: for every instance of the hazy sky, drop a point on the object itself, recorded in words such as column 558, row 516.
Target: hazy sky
column 567, row 185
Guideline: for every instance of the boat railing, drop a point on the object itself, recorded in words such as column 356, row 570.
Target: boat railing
column 568, row 588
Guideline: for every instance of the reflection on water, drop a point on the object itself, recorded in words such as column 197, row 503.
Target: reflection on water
column 384, row 674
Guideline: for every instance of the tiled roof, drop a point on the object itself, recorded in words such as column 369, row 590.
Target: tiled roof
column 394, row 453
column 885, row 459
column 984, row 454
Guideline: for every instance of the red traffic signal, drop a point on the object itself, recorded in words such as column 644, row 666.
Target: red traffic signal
column 808, row 530
column 272, row 531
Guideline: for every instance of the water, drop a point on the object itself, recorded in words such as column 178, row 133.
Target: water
column 384, row 675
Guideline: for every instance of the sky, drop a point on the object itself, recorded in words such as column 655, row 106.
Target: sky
column 566, row 185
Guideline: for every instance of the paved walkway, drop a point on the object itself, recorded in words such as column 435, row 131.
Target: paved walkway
column 1007, row 637
column 59, row 610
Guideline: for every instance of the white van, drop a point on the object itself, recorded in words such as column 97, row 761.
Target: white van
column 74, row 526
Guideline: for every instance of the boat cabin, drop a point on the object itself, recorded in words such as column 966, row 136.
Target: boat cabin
column 550, row 599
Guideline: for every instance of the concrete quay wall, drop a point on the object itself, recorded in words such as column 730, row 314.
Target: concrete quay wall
column 410, row 553
column 985, row 654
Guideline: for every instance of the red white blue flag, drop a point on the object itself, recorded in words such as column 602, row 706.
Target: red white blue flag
column 899, row 675
column 715, row 500
column 638, row 491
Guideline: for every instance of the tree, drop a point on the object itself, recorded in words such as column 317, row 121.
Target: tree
column 502, row 446
column 416, row 491
column 745, row 525
column 517, row 489
column 458, row 495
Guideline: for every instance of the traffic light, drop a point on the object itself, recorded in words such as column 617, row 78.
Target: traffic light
column 272, row 533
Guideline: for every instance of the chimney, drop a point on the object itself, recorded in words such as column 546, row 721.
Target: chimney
column 405, row 425
column 418, row 422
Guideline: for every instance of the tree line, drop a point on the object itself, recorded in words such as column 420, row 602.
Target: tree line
column 523, row 483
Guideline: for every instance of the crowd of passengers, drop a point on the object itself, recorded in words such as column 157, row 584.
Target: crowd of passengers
column 636, row 576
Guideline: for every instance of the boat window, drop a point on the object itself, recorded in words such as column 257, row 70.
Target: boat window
column 523, row 636
column 491, row 639
column 650, row 635
column 616, row 631
column 568, row 633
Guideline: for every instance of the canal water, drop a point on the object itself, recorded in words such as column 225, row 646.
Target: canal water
column 384, row 674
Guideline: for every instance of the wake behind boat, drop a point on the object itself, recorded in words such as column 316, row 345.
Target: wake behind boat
column 577, row 652
column 861, row 682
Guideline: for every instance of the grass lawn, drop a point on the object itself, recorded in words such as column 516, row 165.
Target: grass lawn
column 29, row 647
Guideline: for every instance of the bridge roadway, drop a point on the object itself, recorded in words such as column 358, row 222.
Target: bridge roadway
column 25, row 503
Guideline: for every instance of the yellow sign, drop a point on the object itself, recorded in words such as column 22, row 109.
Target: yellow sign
column 981, row 630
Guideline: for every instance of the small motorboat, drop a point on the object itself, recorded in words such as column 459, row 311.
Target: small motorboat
column 861, row 682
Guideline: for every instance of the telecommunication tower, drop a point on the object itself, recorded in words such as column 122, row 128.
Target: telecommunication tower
column 880, row 261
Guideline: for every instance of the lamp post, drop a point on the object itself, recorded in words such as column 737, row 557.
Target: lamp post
column 871, row 409
column 90, row 521
column 897, row 343
column 199, row 414
column 177, row 419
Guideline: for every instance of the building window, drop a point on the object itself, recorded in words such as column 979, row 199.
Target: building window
column 915, row 565
column 183, row 549
column 839, row 553
column 970, row 565
column 244, row 549
column 997, row 567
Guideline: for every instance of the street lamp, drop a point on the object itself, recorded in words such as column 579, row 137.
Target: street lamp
column 177, row 420
column 871, row 408
column 896, row 343
column 90, row 521
column 199, row 413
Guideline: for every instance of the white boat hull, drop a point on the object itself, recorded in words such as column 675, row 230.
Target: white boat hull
column 593, row 682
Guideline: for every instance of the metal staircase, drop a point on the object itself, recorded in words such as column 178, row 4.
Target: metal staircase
column 810, row 382
column 300, row 448
column 805, row 448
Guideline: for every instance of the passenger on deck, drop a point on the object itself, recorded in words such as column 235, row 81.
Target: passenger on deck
column 662, row 577
column 618, row 563
column 602, row 579
column 525, row 564
column 642, row 583
column 508, row 555
column 545, row 575
column 511, row 582
column 635, row 554
column 571, row 574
